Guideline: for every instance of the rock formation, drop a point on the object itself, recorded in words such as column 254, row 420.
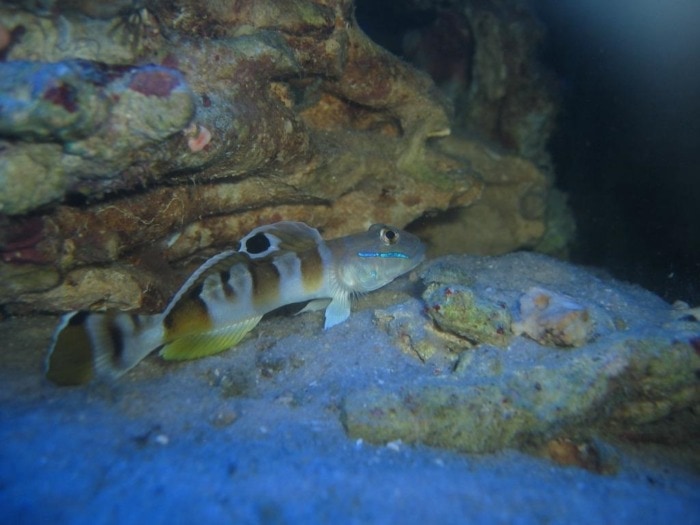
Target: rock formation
column 136, row 134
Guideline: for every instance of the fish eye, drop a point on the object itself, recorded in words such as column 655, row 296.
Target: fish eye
column 389, row 236
column 258, row 243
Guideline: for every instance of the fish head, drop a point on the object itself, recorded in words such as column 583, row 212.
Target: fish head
column 367, row 261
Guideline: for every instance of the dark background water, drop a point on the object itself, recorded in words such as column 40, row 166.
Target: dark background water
column 627, row 144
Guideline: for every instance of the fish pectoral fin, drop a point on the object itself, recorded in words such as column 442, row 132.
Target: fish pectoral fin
column 202, row 344
column 337, row 311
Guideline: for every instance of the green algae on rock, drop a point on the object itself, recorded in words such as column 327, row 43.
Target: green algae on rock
column 528, row 402
column 456, row 309
column 463, row 418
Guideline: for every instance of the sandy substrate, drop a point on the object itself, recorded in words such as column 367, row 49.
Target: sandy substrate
column 256, row 435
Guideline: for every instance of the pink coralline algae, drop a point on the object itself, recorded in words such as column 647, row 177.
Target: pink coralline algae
column 71, row 100
column 64, row 95
column 5, row 37
column 20, row 242
column 695, row 343
column 197, row 137
column 154, row 82
column 112, row 114
column 552, row 318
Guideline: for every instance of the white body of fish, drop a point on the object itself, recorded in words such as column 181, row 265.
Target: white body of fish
column 225, row 298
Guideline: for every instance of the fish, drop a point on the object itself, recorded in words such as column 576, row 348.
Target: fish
column 221, row 301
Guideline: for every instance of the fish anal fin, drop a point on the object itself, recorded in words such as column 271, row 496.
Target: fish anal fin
column 202, row 344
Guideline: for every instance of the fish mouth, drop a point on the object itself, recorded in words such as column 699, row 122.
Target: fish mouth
column 417, row 254
column 422, row 249
column 414, row 255
column 420, row 258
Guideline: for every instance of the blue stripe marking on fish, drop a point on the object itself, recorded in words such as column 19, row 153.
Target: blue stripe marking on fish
column 384, row 255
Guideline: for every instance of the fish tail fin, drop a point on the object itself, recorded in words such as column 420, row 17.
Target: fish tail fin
column 103, row 346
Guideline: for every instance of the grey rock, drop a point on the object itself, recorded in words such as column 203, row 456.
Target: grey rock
column 615, row 363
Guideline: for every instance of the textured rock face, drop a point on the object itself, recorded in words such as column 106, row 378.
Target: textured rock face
column 77, row 120
column 139, row 133
column 481, row 55
column 521, row 350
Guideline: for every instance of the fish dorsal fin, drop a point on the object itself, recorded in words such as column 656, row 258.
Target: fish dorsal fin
column 226, row 258
column 262, row 242
column 281, row 236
